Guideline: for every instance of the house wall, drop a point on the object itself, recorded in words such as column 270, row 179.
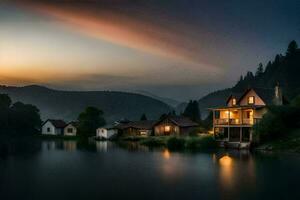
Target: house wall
column 74, row 130
column 260, row 112
column 106, row 133
column 49, row 125
column 230, row 101
column 258, row 101
column 160, row 129
column 135, row 132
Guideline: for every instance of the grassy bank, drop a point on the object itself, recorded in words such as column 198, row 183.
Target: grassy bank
column 289, row 143
column 181, row 143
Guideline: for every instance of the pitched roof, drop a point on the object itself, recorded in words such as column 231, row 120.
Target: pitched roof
column 146, row 124
column 235, row 95
column 266, row 94
column 73, row 123
column 180, row 121
column 57, row 123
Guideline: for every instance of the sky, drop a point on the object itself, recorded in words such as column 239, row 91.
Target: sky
column 181, row 49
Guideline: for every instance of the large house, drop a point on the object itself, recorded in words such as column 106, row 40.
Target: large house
column 53, row 127
column 174, row 125
column 234, row 121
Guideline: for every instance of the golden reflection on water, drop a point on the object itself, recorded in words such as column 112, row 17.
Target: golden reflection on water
column 226, row 161
column 166, row 154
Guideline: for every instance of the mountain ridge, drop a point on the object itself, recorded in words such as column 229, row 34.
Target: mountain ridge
column 68, row 104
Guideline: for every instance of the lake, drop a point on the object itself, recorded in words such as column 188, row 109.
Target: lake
column 104, row 170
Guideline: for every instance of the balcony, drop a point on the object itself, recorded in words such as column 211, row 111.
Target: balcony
column 226, row 121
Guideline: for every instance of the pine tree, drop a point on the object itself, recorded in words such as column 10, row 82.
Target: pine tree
column 292, row 48
column 192, row 111
column 260, row 70
column 143, row 117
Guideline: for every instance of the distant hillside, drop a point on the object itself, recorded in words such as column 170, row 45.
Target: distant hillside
column 68, row 104
column 284, row 70
column 169, row 101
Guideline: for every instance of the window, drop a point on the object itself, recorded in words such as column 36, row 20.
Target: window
column 234, row 101
column 48, row 130
column 251, row 100
column 167, row 128
column 70, row 130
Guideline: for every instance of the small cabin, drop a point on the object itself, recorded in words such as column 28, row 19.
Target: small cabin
column 71, row 129
column 174, row 125
column 136, row 128
column 53, row 127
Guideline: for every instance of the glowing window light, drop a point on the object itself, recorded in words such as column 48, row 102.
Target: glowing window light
column 234, row 101
column 167, row 128
column 251, row 100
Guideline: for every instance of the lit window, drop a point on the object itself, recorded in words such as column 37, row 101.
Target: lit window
column 250, row 100
column 167, row 128
column 234, row 101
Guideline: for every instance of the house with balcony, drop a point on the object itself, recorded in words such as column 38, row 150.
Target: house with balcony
column 233, row 122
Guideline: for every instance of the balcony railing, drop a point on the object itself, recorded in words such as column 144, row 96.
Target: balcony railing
column 245, row 121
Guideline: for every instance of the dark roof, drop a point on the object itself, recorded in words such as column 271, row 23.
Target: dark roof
column 73, row 123
column 266, row 94
column 237, row 96
column 57, row 123
column 146, row 125
column 180, row 121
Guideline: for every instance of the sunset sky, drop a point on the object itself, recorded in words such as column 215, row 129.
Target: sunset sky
column 172, row 48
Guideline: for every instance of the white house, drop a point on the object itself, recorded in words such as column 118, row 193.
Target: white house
column 106, row 132
column 53, row 127
column 71, row 129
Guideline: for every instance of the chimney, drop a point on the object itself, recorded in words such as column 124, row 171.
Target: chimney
column 278, row 95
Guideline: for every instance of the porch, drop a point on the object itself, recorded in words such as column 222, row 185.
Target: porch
column 237, row 116
column 233, row 134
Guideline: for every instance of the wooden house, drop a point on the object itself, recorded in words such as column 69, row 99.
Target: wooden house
column 234, row 121
column 174, row 125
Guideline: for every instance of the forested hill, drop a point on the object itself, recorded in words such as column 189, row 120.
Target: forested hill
column 284, row 69
column 68, row 104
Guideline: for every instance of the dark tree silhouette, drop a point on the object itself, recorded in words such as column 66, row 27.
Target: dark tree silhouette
column 292, row 48
column 143, row 117
column 260, row 70
column 192, row 111
column 18, row 119
column 89, row 121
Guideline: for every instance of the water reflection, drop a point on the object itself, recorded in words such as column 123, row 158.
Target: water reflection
column 166, row 154
column 233, row 167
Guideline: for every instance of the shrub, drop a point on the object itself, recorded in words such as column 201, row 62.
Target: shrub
column 203, row 142
column 153, row 141
column 278, row 122
column 175, row 143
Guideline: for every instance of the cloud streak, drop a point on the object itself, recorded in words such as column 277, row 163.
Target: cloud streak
column 135, row 31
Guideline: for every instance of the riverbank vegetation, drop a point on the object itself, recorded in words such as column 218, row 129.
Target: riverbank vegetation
column 18, row 118
column 180, row 143
column 279, row 129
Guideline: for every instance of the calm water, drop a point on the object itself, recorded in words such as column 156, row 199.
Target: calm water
column 100, row 170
